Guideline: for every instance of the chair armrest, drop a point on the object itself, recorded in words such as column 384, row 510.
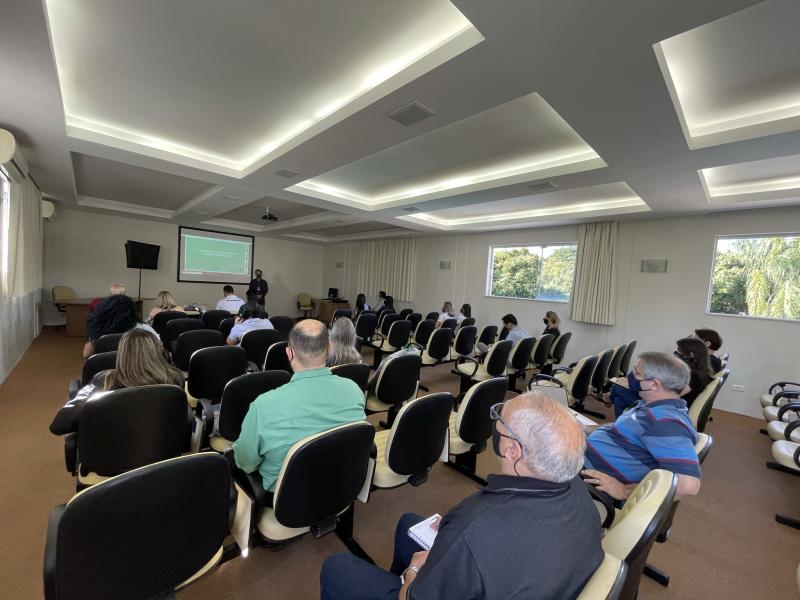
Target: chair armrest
column 205, row 412
column 788, row 394
column 74, row 388
column 463, row 359
column 50, row 551
column 608, row 503
column 251, row 484
column 781, row 384
column 542, row 377
column 252, row 367
column 71, row 452
column 788, row 407
column 790, row 427
column 566, row 370
column 796, row 456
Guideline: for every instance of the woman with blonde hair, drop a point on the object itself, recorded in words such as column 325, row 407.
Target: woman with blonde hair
column 551, row 323
column 343, row 344
column 164, row 301
column 447, row 313
column 140, row 361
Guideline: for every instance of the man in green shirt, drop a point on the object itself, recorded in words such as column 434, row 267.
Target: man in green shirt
column 314, row 400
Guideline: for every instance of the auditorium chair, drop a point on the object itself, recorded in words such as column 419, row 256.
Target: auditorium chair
column 165, row 316
column 787, row 456
column 282, row 325
column 305, row 304
column 276, row 359
column 382, row 314
column 416, row 440
column 399, row 331
column 212, row 318
column 143, row 534
column 541, row 351
column 627, row 358
column 788, row 390
column 467, row 322
column 107, row 343
column 598, row 381
column 175, row 327
column 636, row 525
column 787, row 424
column 237, row 396
column 557, row 352
column 700, row 410
column 321, row 478
column 518, row 361
column 397, row 383
column 91, row 367
column 191, row 341
column 471, row 370
column 423, row 331
column 129, row 428
column 471, row 425
column 358, row 373
column 463, row 343
column 226, row 325
column 341, row 313
column 256, row 343
column 433, row 315
column 60, row 294
column 366, row 324
column 614, row 365
column 450, row 324
column 487, row 337
column 414, row 318
column 607, row 581
column 436, row 351
column 575, row 380
column 405, row 312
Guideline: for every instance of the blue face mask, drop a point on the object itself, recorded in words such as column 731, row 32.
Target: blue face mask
column 634, row 384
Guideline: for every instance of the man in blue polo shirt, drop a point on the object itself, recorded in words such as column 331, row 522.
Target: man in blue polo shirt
column 655, row 433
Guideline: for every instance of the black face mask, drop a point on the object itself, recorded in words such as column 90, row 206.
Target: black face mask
column 544, row 321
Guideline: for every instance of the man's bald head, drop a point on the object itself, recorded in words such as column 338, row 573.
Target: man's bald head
column 309, row 342
column 553, row 441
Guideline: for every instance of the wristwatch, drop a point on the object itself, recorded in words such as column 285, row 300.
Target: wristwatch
column 403, row 576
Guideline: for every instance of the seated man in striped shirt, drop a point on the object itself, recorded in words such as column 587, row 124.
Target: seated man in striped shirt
column 655, row 433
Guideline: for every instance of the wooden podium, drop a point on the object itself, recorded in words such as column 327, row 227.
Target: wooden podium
column 326, row 308
column 77, row 310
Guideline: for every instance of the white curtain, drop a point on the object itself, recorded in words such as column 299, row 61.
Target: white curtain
column 594, row 297
column 24, row 274
column 388, row 265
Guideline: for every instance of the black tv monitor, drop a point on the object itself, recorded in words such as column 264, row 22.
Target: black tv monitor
column 333, row 293
column 141, row 255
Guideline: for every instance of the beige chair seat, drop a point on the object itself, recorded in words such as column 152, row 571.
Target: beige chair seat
column 457, row 445
column 771, row 413
column 607, row 579
column 220, row 444
column 455, row 355
column 776, row 430
column 427, row 359
column 189, row 398
column 384, row 477
column 383, row 345
column 269, row 527
column 91, row 478
column 376, row 405
column 783, row 453
column 480, row 375
column 766, row 400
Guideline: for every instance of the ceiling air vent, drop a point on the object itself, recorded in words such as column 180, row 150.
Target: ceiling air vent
column 288, row 173
column 410, row 114
column 544, row 186
column 411, row 209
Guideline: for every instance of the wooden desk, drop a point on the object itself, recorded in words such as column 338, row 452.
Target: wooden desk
column 77, row 310
column 326, row 308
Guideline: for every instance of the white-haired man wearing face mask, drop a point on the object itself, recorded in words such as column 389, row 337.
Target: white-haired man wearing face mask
column 532, row 532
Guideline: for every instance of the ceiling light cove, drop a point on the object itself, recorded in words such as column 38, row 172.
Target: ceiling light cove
column 230, row 103
column 769, row 182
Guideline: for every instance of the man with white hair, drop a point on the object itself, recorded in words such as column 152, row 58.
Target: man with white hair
column 532, row 532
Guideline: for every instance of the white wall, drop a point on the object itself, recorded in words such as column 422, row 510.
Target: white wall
column 655, row 309
column 86, row 252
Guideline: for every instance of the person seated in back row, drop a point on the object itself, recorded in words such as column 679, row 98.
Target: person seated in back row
column 551, row 323
column 164, row 301
column 343, row 344
column 447, row 313
column 314, row 400
column 116, row 288
column 713, row 342
column 532, row 532
column 465, row 312
column 515, row 331
column 361, row 305
column 247, row 319
column 230, row 301
column 115, row 314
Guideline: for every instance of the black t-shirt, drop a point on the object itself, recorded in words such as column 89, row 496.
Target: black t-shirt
column 259, row 286
column 553, row 330
column 716, row 363
column 697, row 383
column 517, row 538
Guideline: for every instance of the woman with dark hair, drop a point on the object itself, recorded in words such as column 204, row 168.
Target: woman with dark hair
column 713, row 342
column 115, row 314
column 551, row 323
column 361, row 305
column 694, row 353
column 465, row 312
column 140, row 361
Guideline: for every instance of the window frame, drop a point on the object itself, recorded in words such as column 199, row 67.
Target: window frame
column 490, row 271
column 710, row 292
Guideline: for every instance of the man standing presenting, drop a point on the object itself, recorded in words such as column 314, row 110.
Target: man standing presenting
column 260, row 287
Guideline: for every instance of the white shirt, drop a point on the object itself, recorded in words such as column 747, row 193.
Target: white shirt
column 240, row 329
column 517, row 334
column 460, row 318
column 230, row 303
column 444, row 316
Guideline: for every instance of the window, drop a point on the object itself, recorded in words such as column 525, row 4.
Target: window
column 532, row 272
column 757, row 276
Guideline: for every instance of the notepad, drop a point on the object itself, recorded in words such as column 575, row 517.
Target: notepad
column 423, row 533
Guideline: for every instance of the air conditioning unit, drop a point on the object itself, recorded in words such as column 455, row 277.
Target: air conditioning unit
column 11, row 158
column 48, row 209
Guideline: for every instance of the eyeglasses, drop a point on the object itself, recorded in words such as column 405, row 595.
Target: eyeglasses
column 494, row 414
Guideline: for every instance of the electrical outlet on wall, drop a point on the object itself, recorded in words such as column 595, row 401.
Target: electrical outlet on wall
column 737, row 387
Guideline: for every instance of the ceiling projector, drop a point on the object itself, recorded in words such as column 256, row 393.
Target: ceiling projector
column 269, row 216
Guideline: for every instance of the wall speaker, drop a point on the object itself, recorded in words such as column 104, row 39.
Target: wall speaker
column 444, row 265
column 654, row 265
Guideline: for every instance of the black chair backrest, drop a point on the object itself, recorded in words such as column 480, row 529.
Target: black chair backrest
column 383, row 313
column 175, row 327
column 226, row 325
column 559, row 347
column 476, row 424
column 212, row 318
column 405, row 312
column 468, row 321
column 239, row 393
column 488, row 335
column 107, row 342
column 276, row 359
column 464, row 343
column 210, row 369
column 165, row 316
column 365, row 325
column 387, row 321
column 601, row 369
column 96, row 363
column 521, row 355
column 498, row 358
column 705, row 411
column 398, row 379
column 418, row 433
column 356, row 372
column 541, row 350
column 580, row 384
column 132, row 427
column 342, row 312
column 439, row 343
column 625, row 364
column 414, row 318
column 616, row 361
column 450, row 324
column 256, row 342
column 140, row 535
column 283, row 325
column 399, row 333
column 432, row 315
column 323, row 474
column 423, row 331
column 191, row 341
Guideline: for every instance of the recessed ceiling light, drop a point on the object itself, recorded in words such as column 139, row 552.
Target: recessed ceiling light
column 411, row 209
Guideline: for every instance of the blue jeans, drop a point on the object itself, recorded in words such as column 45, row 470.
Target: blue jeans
column 347, row 577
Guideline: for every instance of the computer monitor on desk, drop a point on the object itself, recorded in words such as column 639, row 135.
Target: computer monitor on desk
column 333, row 293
